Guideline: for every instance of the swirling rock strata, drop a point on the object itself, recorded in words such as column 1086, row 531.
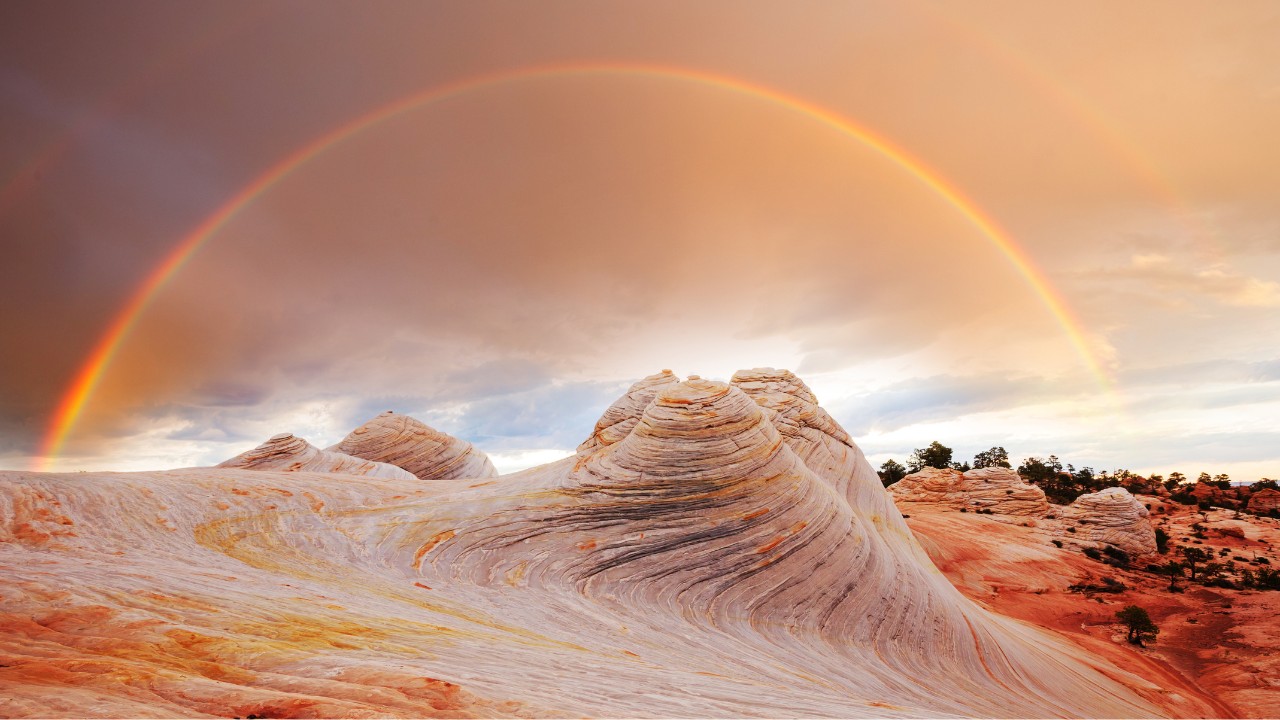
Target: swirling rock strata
column 697, row 566
column 292, row 454
column 415, row 446
column 1111, row 517
column 616, row 422
column 997, row 489
column 705, row 513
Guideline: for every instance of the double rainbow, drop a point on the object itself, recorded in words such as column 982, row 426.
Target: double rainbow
column 74, row 400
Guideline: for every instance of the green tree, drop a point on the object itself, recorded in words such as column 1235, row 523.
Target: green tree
column 1138, row 623
column 891, row 472
column 1194, row 556
column 1173, row 569
column 1222, row 480
column 936, row 455
column 1175, row 479
column 1265, row 484
column 995, row 457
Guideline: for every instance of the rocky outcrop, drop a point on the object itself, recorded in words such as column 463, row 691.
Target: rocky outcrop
column 415, row 446
column 616, row 422
column 292, row 454
column 695, row 566
column 999, row 490
column 820, row 442
column 1111, row 517
column 1207, row 493
column 1264, row 501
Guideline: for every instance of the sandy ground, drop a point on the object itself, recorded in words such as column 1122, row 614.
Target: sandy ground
column 1216, row 647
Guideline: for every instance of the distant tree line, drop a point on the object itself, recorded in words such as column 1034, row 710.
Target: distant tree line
column 1063, row 483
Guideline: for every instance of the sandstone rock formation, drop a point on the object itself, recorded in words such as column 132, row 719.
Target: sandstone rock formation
column 415, row 446
column 696, row 566
column 616, row 422
column 1264, row 501
column 293, row 454
column 997, row 489
column 1111, row 517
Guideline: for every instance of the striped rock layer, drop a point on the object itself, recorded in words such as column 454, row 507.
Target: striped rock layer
column 997, row 489
column 415, row 446
column 698, row 566
column 1111, row 517
column 292, row 454
column 616, row 422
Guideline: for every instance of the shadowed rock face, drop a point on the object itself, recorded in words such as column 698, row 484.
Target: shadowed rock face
column 417, row 447
column 1264, row 500
column 695, row 566
column 293, row 454
column 1112, row 517
column 997, row 489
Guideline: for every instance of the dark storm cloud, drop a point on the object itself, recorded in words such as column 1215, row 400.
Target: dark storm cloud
column 504, row 262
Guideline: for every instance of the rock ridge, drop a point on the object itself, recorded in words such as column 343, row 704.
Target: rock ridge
column 422, row 450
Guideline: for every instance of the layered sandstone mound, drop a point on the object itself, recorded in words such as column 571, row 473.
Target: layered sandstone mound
column 292, row 454
column 1264, row 501
column 1111, row 517
column 823, row 445
column 997, row 489
column 616, row 422
column 704, row 522
column 415, row 446
column 698, row 566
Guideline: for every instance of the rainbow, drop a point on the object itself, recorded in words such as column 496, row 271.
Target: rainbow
column 73, row 402
column 1139, row 164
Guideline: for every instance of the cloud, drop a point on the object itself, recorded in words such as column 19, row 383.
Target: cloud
column 1163, row 276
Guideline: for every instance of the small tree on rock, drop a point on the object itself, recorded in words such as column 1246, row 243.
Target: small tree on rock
column 1138, row 623
column 1194, row 556
column 995, row 457
column 936, row 455
column 891, row 472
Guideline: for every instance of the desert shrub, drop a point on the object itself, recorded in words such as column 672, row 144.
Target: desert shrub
column 1116, row 556
column 1071, row 530
column 1057, row 542
column 1092, row 553
column 1138, row 623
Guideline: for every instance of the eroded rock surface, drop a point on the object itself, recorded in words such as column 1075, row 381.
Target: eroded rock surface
column 1264, row 501
column 415, row 446
column 695, row 566
column 1111, row 517
column 997, row 489
column 293, row 454
column 616, row 422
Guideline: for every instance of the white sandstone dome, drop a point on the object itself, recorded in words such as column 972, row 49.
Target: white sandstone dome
column 997, row 489
column 293, row 454
column 1111, row 517
column 417, row 447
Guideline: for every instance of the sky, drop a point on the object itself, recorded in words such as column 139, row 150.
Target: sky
column 1049, row 227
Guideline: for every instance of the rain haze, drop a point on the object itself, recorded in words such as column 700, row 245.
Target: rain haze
column 1050, row 227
